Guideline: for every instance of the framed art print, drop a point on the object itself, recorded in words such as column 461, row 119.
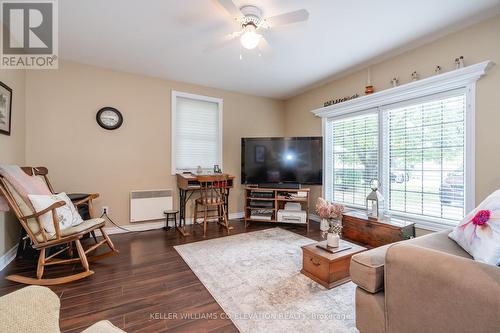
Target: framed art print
column 5, row 109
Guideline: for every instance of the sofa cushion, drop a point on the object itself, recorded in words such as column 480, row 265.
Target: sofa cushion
column 367, row 268
column 82, row 227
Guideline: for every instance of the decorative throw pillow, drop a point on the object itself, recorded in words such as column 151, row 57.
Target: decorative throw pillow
column 479, row 232
column 67, row 215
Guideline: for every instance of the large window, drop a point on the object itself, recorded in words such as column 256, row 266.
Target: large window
column 355, row 157
column 196, row 132
column 417, row 149
column 425, row 147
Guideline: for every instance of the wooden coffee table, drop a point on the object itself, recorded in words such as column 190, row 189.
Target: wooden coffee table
column 328, row 269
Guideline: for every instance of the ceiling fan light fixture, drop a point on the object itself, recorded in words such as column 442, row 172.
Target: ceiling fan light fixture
column 250, row 39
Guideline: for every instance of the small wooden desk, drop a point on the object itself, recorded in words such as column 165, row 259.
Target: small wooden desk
column 188, row 184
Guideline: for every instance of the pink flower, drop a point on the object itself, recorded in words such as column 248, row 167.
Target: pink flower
column 481, row 217
column 480, row 228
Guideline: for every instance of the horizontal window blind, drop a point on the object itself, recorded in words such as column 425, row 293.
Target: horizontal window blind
column 426, row 146
column 354, row 152
column 197, row 134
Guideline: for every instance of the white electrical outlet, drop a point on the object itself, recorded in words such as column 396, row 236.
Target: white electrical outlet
column 105, row 210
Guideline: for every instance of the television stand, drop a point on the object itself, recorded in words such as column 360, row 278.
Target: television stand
column 263, row 203
column 293, row 186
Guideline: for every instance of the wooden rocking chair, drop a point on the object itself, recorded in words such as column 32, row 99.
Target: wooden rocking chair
column 42, row 240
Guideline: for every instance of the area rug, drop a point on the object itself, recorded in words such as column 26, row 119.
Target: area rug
column 256, row 279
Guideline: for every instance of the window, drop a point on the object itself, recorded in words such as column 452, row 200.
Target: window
column 425, row 148
column 196, row 132
column 416, row 148
column 355, row 157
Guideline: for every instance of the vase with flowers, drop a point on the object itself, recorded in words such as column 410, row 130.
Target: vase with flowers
column 331, row 220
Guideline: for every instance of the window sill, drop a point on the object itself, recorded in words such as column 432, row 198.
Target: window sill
column 426, row 224
column 429, row 226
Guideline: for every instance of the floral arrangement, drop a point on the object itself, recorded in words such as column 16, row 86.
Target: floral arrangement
column 335, row 228
column 328, row 210
column 331, row 213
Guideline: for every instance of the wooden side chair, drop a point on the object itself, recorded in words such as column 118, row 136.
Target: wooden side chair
column 42, row 240
column 211, row 203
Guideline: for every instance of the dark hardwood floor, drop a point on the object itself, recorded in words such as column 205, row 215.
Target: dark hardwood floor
column 146, row 288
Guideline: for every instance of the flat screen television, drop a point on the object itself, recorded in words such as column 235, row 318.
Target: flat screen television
column 297, row 160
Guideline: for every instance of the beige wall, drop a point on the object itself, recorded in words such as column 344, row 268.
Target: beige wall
column 476, row 43
column 63, row 135
column 12, row 150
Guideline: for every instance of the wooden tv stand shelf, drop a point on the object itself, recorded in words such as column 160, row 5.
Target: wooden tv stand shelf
column 271, row 200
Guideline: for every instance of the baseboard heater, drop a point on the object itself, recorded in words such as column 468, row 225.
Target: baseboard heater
column 148, row 205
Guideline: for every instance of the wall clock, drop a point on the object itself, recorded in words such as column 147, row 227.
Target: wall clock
column 109, row 118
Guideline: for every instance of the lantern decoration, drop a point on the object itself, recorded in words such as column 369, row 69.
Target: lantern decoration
column 369, row 89
column 374, row 201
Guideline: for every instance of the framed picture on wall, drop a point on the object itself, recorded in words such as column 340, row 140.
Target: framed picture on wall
column 5, row 108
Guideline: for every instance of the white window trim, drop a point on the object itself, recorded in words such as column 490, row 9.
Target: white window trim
column 464, row 78
column 173, row 112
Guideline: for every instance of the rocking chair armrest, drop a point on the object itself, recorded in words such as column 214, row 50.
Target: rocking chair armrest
column 89, row 198
column 44, row 211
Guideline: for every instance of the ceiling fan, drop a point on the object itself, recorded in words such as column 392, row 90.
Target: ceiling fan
column 253, row 24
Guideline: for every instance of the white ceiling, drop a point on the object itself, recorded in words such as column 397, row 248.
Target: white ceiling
column 169, row 38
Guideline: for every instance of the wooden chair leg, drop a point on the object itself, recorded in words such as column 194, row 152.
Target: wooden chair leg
column 41, row 264
column 224, row 217
column 205, row 221
column 94, row 236
column 82, row 255
column 108, row 240
column 195, row 213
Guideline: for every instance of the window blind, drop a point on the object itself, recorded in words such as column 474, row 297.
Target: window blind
column 354, row 152
column 426, row 158
column 197, row 134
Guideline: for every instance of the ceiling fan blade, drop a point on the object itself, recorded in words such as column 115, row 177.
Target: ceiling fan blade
column 288, row 18
column 223, row 42
column 230, row 7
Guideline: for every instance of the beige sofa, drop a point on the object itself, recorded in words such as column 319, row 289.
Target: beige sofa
column 35, row 309
column 426, row 284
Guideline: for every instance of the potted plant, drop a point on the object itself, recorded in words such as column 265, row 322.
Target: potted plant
column 331, row 220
